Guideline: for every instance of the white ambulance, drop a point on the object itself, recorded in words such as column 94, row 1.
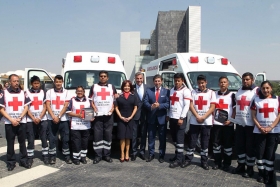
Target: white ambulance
column 193, row 64
column 82, row 69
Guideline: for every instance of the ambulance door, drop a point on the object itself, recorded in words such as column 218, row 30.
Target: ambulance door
column 259, row 78
column 168, row 80
column 45, row 78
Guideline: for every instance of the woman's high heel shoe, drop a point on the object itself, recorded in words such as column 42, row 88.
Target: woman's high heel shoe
column 126, row 159
column 122, row 160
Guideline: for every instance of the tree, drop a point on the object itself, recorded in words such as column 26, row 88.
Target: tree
column 276, row 87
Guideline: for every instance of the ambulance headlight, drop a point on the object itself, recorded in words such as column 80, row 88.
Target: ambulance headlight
column 94, row 59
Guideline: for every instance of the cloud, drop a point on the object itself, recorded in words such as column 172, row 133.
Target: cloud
column 272, row 6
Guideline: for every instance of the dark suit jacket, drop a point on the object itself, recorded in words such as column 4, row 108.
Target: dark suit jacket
column 140, row 110
column 158, row 113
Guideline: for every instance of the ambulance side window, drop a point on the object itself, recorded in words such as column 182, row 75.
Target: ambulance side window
column 168, row 80
column 46, row 81
column 150, row 82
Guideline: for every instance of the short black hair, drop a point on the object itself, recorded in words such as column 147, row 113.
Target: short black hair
column 103, row 71
column 223, row 77
column 13, row 75
column 157, row 76
column 248, row 74
column 58, row 77
column 34, row 78
column 179, row 76
column 201, row 78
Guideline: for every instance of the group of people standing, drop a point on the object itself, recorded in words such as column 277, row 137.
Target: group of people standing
column 145, row 111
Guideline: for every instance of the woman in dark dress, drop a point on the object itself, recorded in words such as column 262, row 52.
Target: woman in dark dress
column 126, row 107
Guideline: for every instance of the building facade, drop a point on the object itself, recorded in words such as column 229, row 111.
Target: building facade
column 175, row 31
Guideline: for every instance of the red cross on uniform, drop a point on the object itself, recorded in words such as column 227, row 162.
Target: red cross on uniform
column 200, row 102
column 15, row 103
column 36, row 103
column 173, row 98
column 242, row 102
column 79, row 110
column 222, row 105
column 265, row 110
column 103, row 93
column 57, row 102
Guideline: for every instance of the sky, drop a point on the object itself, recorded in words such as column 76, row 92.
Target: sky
column 38, row 33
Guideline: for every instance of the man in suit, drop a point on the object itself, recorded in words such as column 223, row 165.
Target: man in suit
column 140, row 119
column 156, row 102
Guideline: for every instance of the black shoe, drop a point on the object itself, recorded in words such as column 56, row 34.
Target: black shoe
column 96, row 160
column 225, row 168
column 249, row 172
column 83, row 160
column 172, row 159
column 68, row 160
column 76, row 162
column 161, row 159
column 239, row 169
column 150, row 158
column 133, row 157
column 1, row 136
column 52, row 160
column 175, row 164
column 216, row 166
column 30, row 162
column 185, row 164
column 108, row 159
column 268, row 177
column 11, row 167
column 25, row 165
column 46, row 160
column 205, row 166
column 142, row 156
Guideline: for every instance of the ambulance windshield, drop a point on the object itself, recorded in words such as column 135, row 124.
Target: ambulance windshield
column 87, row 78
column 235, row 81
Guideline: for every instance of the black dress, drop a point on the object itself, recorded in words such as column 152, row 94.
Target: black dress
column 126, row 107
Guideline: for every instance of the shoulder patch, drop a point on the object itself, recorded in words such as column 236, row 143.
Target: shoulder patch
column 1, row 95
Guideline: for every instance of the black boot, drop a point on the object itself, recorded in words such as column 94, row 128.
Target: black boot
column 249, row 172
column 239, row 169
column 268, row 177
column 261, row 176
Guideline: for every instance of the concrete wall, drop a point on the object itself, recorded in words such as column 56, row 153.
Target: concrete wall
column 193, row 23
column 170, row 32
column 129, row 48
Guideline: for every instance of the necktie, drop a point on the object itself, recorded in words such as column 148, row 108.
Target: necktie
column 157, row 94
column 140, row 93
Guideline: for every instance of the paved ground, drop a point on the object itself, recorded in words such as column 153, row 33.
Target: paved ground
column 138, row 173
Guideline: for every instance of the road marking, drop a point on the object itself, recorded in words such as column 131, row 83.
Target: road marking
column 4, row 149
column 27, row 175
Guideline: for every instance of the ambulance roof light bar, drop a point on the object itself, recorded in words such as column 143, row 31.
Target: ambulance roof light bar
column 194, row 59
column 224, row 61
column 111, row 60
column 77, row 58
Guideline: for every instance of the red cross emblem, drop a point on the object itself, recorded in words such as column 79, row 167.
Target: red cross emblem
column 79, row 110
column 242, row 102
column 173, row 98
column 36, row 103
column 222, row 105
column 103, row 93
column 265, row 110
column 200, row 102
column 15, row 103
column 57, row 102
